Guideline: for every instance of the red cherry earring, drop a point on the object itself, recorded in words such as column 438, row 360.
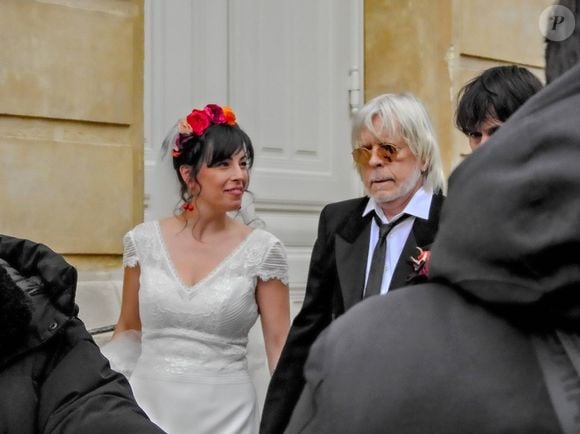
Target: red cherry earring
column 187, row 206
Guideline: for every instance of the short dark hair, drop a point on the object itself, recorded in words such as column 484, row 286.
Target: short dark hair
column 496, row 93
column 563, row 55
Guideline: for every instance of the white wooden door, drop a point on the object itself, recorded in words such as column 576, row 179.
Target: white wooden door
column 286, row 69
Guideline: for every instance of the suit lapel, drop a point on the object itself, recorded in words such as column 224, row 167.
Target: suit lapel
column 352, row 245
column 422, row 235
column 351, row 248
column 404, row 266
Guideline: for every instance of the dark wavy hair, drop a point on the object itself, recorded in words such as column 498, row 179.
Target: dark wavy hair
column 496, row 93
column 218, row 143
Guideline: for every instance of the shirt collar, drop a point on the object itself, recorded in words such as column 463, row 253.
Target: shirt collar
column 418, row 206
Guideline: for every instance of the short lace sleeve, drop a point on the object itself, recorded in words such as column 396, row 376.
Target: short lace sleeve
column 275, row 264
column 130, row 258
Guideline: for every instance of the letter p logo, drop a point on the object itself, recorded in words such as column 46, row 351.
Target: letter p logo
column 557, row 23
column 558, row 19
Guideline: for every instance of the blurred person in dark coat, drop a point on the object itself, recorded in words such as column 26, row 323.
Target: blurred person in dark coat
column 53, row 377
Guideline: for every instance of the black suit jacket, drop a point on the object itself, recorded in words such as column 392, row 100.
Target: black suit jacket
column 335, row 283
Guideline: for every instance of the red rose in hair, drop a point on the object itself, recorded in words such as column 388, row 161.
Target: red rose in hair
column 199, row 121
column 215, row 113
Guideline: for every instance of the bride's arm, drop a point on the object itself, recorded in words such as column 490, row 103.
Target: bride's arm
column 274, row 307
column 129, row 318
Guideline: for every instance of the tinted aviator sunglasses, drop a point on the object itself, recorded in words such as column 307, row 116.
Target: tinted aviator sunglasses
column 385, row 151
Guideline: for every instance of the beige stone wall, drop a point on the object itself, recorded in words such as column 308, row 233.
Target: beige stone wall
column 71, row 122
column 432, row 48
column 406, row 49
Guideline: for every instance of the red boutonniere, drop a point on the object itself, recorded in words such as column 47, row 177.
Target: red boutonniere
column 421, row 262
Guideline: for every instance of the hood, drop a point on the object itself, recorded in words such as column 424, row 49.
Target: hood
column 37, row 286
column 31, row 259
column 15, row 310
column 509, row 232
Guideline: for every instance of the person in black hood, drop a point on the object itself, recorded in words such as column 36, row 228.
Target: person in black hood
column 53, row 377
column 457, row 354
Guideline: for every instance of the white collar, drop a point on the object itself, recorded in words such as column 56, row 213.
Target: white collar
column 418, row 206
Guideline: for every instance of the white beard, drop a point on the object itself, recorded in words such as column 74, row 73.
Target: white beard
column 403, row 190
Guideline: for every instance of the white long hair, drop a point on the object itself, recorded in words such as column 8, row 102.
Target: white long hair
column 404, row 115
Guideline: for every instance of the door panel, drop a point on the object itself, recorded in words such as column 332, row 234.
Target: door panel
column 289, row 65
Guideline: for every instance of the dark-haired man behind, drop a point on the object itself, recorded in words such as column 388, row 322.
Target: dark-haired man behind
column 488, row 100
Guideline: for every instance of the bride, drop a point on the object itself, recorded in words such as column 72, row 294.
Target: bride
column 194, row 284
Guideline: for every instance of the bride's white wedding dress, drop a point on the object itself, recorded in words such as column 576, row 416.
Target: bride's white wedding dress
column 191, row 375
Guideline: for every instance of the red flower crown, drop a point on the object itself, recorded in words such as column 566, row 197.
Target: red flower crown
column 198, row 121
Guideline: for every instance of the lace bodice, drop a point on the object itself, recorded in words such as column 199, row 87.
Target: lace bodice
column 200, row 329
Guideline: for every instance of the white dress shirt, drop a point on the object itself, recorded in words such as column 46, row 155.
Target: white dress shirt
column 418, row 206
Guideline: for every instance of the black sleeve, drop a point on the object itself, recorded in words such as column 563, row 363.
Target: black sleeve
column 309, row 414
column 316, row 314
column 80, row 393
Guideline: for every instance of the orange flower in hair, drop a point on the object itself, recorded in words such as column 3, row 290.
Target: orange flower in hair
column 230, row 115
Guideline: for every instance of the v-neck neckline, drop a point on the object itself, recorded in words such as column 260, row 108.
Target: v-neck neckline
column 171, row 265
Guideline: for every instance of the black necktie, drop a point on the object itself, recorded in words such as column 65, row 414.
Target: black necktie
column 378, row 262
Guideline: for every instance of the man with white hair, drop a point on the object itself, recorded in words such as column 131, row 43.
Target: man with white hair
column 366, row 246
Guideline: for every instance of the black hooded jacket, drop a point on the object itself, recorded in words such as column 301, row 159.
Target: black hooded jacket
column 53, row 378
column 454, row 355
